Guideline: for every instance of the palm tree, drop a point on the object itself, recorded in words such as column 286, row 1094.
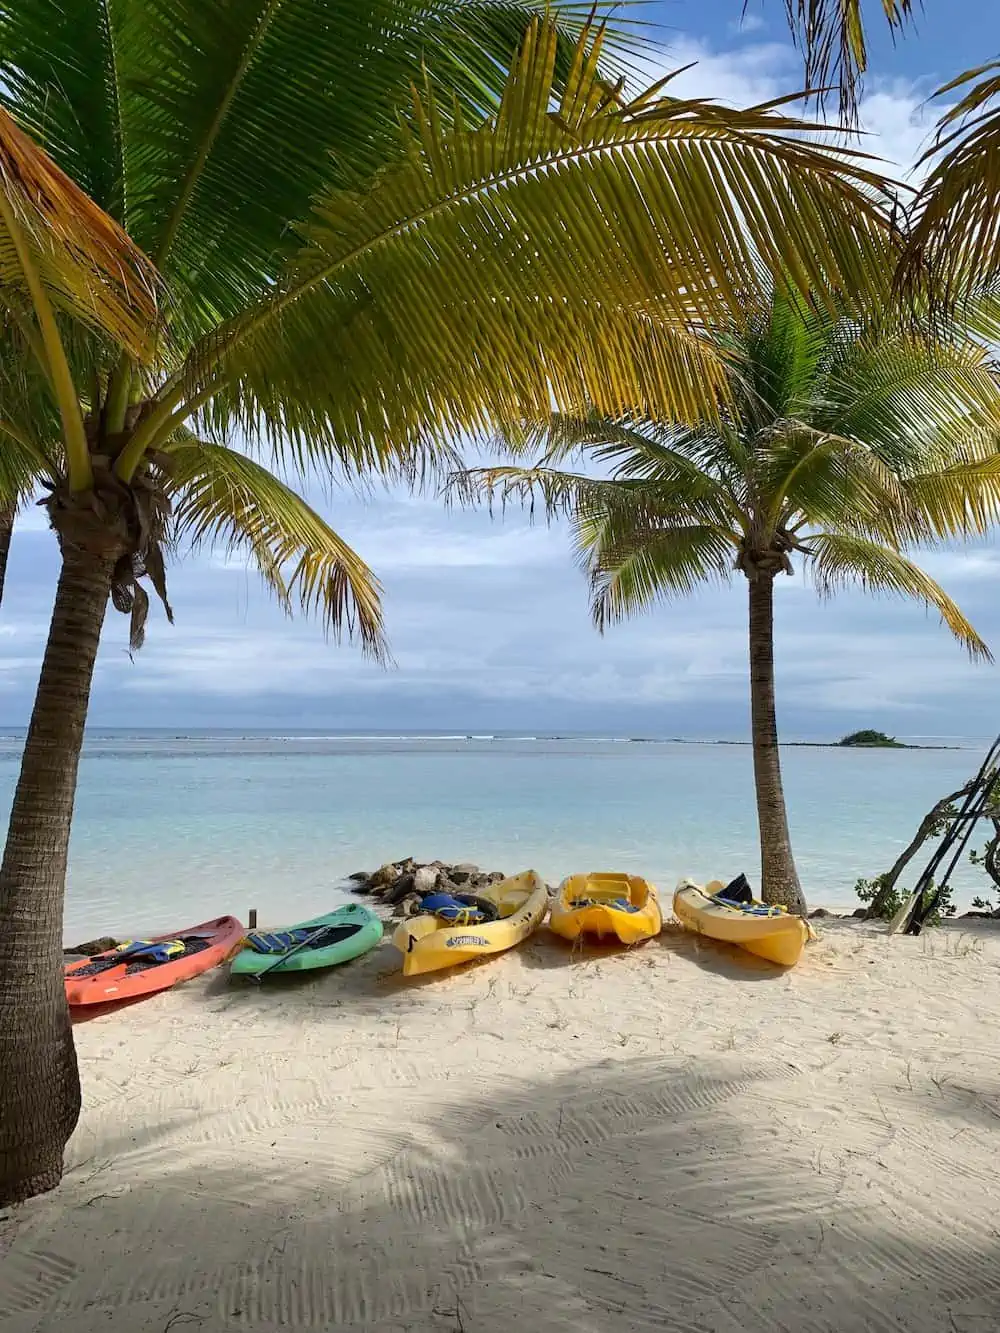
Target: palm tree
column 344, row 292
column 841, row 445
column 62, row 261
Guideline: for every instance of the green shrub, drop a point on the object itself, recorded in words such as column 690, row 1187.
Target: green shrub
column 868, row 889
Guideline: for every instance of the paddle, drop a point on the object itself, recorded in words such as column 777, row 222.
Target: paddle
column 258, row 977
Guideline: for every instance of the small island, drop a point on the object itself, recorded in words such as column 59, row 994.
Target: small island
column 876, row 739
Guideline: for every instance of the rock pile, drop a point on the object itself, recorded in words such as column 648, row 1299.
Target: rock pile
column 404, row 884
column 92, row 947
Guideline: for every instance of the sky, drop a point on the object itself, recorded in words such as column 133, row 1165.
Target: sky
column 488, row 621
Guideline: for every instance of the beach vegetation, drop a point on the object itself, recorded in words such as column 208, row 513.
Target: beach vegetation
column 883, row 892
column 842, row 442
column 886, row 898
column 375, row 227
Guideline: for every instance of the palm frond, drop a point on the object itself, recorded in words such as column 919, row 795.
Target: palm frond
column 840, row 560
column 963, row 497
column 29, row 419
column 831, row 34
column 689, row 466
column 954, row 241
column 504, row 237
column 222, row 497
column 55, row 240
column 558, row 493
column 62, row 67
column 207, row 126
column 21, row 465
column 826, row 479
column 913, row 398
column 634, row 563
column 778, row 353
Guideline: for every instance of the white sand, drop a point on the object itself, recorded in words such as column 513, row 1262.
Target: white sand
column 678, row 1138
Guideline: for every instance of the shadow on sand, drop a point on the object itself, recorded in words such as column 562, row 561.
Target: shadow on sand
column 640, row 1195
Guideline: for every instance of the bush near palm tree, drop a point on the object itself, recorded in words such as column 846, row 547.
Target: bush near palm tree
column 348, row 291
column 841, row 446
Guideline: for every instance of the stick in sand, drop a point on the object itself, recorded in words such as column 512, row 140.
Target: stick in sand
column 258, row 977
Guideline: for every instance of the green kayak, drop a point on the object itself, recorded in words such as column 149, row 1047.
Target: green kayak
column 335, row 937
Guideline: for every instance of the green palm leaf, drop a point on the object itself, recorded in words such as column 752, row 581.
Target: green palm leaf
column 955, row 239
column 207, row 126
column 221, row 497
column 635, row 565
column 456, row 248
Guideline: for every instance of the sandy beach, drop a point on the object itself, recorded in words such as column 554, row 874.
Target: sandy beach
column 679, row 1137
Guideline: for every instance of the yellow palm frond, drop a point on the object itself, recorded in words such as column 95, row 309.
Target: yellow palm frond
column 52, row 233
column 842, row 561
column 221, row 496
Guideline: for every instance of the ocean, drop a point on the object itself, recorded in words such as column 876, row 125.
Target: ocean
column 174, row 829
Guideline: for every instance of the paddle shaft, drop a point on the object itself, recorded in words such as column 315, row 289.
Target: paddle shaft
column 258, row 977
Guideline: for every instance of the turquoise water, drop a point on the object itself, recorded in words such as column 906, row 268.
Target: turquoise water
column 170, row 831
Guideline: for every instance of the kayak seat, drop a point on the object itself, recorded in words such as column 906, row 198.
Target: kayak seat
column 453, row 910
column 277, row 941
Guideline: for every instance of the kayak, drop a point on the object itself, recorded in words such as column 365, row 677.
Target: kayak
column 141, row 967
column 773, row 933
column 335, row 937
column 606, row 904
column 460, row 931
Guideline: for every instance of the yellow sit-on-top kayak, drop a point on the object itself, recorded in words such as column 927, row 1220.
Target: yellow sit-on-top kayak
column 606, row 904
column 429, row 942
column 769, row 932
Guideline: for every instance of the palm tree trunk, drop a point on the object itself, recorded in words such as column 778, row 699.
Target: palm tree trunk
column 6, row 532
column 780, row 879
column 39, row 1082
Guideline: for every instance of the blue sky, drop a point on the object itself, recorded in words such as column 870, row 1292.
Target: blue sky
column 488, row 621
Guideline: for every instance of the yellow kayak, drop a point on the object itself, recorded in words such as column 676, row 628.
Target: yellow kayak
column 604, row 905
column 429, row 943
column 769, row 932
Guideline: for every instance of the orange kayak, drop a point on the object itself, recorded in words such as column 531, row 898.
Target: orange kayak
column 144, row 966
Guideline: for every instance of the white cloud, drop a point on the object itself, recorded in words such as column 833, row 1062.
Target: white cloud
column 439, row 547
column 746, row 24
column 896, row 120
column 951, row 568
